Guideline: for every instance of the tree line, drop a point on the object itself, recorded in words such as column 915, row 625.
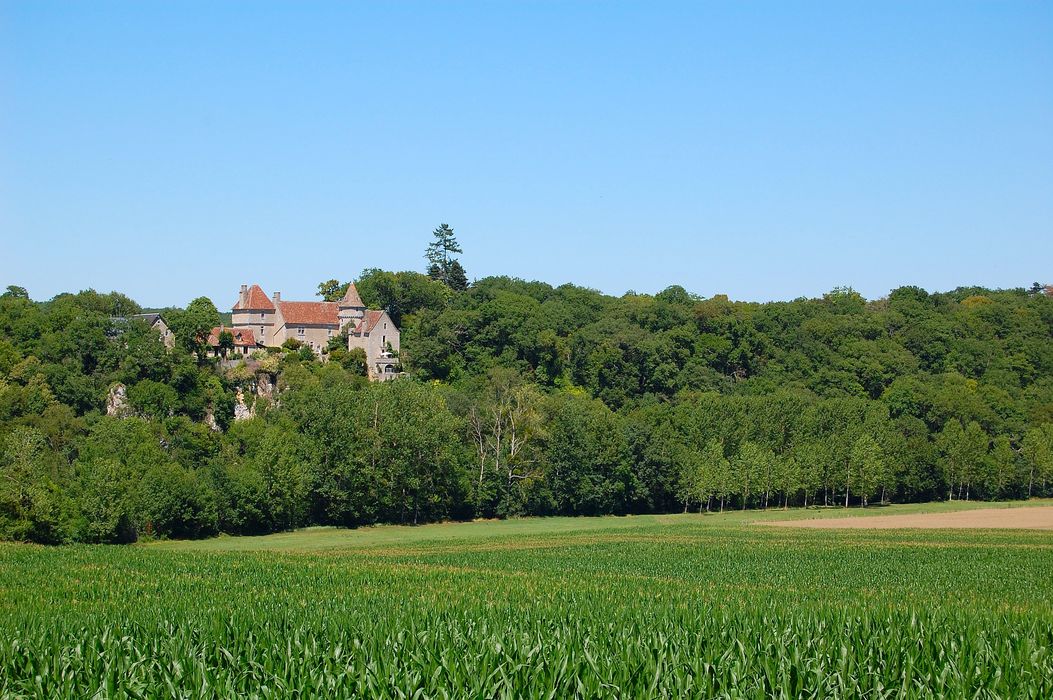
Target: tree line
column 521, row 399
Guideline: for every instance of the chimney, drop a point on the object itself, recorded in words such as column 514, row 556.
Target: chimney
column 277, row 296
column 243, row 296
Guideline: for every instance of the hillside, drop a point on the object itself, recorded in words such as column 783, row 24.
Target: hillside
column 522, row 399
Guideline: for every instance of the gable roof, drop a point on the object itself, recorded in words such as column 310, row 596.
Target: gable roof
column 150, row 319
column 369, row 321
column 351, row 297
column 243, row 337
column 255, row 300
column 309, row 313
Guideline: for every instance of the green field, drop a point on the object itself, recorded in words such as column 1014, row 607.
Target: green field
column 649, row 606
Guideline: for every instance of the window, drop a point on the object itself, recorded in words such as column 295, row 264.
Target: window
column 300, row 331
column 261, row 331
column 262, row 316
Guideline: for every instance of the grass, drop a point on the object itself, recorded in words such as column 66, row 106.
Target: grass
column 321, row 538
column 650, row 606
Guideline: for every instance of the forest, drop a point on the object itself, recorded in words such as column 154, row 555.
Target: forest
column 520, row 398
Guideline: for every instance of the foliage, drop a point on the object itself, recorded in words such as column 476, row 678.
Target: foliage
column 193, row 324
column 32, row 504
column 332, row 290
column 174, row 502
column 401, row 294
column 522, row 399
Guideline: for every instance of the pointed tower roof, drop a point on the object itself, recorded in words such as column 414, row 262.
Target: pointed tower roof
column 254, row 299
column 351, row 298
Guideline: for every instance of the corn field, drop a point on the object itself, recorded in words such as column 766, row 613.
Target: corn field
column 667, row 610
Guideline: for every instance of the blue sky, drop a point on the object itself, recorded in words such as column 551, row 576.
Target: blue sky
column 760, row 150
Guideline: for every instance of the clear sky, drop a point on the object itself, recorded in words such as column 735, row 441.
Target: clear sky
column 765, row 150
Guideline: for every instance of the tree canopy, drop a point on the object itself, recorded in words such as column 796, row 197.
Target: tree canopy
column 522, row 398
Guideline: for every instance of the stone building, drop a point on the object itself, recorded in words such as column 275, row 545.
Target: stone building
column 244, row 341
column 274, row 320
column 154, row 321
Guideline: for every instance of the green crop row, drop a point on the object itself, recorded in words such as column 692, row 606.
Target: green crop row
column 655, row 611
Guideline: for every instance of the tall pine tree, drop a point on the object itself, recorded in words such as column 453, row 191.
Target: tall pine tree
column 441, row 266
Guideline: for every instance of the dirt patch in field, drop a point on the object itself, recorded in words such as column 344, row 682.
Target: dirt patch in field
column 1037, row 518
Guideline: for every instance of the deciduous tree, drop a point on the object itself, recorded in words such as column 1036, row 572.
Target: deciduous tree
column 504, row 425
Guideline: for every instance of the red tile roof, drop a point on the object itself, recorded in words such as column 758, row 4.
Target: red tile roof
column 243, row 337
column 309, row 313
column 255, row 300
